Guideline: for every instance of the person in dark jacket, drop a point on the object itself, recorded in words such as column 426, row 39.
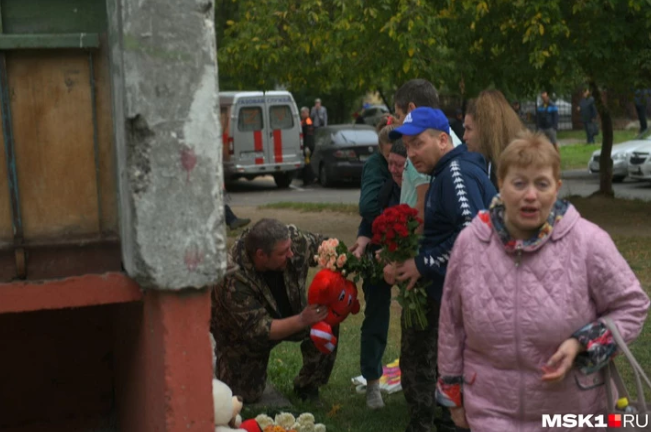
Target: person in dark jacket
column 308, row 145
column 389, row 194
column 641, row 100
column 588, row 112
column 457, row 124
column 232, row 221
column 547, row 118
column 460, row 187
column 375, row 326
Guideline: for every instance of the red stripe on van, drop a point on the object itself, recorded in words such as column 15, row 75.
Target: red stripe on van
column 278, row 145
column 257, row 146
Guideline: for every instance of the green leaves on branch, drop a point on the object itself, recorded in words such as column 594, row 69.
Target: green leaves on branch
column 332, row 44
column 518, row 46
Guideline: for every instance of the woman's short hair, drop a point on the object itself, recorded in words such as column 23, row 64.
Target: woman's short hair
column 383, row 135
column 529, row 150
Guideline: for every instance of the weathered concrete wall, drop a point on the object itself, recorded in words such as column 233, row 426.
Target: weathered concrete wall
column 168, row 146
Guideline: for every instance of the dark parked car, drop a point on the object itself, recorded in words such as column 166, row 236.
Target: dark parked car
column 340, row 152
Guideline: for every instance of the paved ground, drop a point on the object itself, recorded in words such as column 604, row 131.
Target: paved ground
column 271, row 398
column 263, row 190
column 580, row 182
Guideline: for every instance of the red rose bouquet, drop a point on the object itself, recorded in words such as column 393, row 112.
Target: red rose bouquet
column 395, row 230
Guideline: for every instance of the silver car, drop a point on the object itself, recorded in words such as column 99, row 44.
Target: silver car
column 620, row 156
column 374, row 113
column 639, row 161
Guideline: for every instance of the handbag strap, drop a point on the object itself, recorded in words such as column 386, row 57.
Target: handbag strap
column 612, row 375
column 640, row 376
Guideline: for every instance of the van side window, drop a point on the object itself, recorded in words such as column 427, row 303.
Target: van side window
column 280, row 117
column 249, row 119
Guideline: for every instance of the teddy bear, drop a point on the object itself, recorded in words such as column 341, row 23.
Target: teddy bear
column 332, row 290
column 227, row 408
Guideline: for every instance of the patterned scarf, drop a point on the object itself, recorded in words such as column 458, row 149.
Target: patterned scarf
column 496, row 212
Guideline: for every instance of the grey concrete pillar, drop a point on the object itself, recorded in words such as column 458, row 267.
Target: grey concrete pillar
column 168, row 141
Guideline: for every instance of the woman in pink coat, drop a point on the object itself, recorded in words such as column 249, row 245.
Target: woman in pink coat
column 528, row 280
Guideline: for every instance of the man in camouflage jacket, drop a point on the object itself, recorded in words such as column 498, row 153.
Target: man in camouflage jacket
column 262, row 303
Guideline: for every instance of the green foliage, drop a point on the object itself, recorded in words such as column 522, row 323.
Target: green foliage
column 354, row 46
column 330, row 45
column 347, row 47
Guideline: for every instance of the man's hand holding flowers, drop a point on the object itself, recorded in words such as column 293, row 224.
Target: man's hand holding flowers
column 359, row 247
column 407, row 271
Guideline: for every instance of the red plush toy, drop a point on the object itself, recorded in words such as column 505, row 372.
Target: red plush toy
column 339, row 295
column 251, row 426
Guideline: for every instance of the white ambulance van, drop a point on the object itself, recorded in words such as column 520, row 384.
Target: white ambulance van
column 262, row 135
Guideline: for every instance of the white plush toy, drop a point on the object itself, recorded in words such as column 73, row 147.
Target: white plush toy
column 227, row 408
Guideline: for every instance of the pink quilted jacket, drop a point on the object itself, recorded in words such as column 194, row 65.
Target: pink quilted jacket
column 500, row 322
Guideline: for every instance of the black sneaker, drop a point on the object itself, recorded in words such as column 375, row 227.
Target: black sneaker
column 308, row 394
column 239, row 223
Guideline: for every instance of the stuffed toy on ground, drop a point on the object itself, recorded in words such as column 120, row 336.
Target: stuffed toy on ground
column 227, row 408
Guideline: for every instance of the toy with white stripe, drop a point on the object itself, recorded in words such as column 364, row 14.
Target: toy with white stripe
column 332, row 290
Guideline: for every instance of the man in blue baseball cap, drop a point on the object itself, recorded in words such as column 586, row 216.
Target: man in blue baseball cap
column 459, row 188
column 418, row 121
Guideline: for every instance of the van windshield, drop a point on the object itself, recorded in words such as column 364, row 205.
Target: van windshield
column 365, row 137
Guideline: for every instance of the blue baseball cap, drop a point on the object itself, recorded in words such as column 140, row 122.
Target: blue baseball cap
column 419, row 120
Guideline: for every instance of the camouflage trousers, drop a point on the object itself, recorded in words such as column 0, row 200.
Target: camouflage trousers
column 244, row 368
column 418, row 368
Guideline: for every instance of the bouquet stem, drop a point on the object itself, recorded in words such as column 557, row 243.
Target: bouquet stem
column 414, row 304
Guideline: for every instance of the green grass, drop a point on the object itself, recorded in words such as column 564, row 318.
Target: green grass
column 346, row 410
column 576, row 156
column 637, row 251
column 313, row 207
column 618, row 135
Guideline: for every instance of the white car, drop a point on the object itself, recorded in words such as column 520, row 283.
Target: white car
column 620, row 156
column 639, row 161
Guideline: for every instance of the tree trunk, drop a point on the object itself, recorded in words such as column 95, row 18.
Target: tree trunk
column 340, row 114
column 605, row 160
column 385, row 101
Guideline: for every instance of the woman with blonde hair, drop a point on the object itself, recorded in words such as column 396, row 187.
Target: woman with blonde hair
column 490, row 125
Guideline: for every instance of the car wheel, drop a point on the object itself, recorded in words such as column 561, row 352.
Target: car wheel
column 283, row 180
column 618, row 179
column 323, row 177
